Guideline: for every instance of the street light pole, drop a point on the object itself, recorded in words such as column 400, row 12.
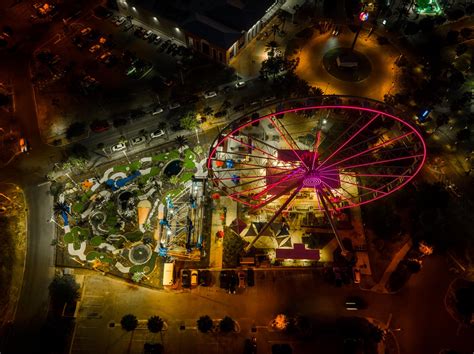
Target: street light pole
column 73, row 181
column 126, row 156
column 197, row 135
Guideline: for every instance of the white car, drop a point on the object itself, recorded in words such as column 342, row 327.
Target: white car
column 137, row 140
column 157, row 134
column 120, row 21
column 147, row 34
column 174, row 105
column 210, row 94
column 156, row 110
column 240, row 84
column 119, row 147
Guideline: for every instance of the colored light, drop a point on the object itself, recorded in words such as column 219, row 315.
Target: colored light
column 364, row 16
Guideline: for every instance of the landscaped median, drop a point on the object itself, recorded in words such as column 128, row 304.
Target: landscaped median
column 13, row 238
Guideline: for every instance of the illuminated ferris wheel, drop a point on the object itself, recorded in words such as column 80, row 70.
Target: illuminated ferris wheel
column 326, row 157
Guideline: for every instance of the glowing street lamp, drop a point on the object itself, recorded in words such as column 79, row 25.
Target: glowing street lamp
column 363, row 17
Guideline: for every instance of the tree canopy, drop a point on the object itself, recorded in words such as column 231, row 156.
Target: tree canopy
column 129, row 322
column 64, row 289
column 205, row 324
column 155, row 324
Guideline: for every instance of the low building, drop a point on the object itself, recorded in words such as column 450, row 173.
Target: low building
column 219, row 29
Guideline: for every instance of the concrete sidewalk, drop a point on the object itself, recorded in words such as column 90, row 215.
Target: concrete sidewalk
column 380, row 287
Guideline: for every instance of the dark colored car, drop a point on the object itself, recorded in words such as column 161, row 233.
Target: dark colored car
column 250, row 277
column 233, row 282
column 205, row 278
column 250, row 346
column 186, row 278
column 220, row 114
column 99, row 126
column 224, row 279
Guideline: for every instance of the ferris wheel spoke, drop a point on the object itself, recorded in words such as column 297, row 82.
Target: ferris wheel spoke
column 373, row 148
column 254, row 157
column 350, row 139
column 382, row 161
column 288, row 143
column 355, row 174
column 289, row 177
column 328, row 187
column 251, row 147
column 357, row 185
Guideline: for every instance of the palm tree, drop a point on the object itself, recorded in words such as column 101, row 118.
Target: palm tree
column 207, row 111
column 129, row 322
column 205, row 324
column 270, row 48
column 227, row 324
column 181, row 141
column 155, row 324
column 282, row 18
column 61, row 207
column 275, row 29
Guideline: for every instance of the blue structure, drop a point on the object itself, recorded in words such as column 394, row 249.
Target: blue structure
column 169, row 202
column 115, row 185
column 163, row 251
column 65, row 216
column 236, row 179
column 229, row 163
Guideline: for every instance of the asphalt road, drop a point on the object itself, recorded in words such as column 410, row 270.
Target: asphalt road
column 418, row 311
column 39, row 272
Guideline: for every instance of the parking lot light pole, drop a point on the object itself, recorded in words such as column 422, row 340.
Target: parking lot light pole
column 197, row 135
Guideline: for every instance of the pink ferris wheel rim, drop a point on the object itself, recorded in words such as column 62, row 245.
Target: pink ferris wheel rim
column 307, row 182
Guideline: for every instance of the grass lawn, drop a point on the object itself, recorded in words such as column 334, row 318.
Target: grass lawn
column 153, row 171
column 80, row 233
column 185, row 176
column 68, row 237
column 86, row 195
column 78, row 207
column 100, row 256
column 121, row 169
column 133, row 236
column 189, row 164
column 96, row 241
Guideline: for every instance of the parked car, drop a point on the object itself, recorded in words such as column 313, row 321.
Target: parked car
column 173, row 105
column 120, row 21
column 156, row 110
column 24, row 146
column 186, row 278
column 194, row 277
column 250, row 277
column 157, row 40
column 240, row 84
column 99, row 126
column 152, row 37
column 241, row 279
column 210, row 94
column 128, row 26
column 104, row 56
column 147, row 34
column 137, row 140
column 224, row 279
column 239, row 107
column 233, row 282
column 119, row 147
column 356, row 275
column 157, row 134
column 78, row 42
column 94, row 48
column 86, row 31
column 205, row 278
column 220, row 114
column 250, row 346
